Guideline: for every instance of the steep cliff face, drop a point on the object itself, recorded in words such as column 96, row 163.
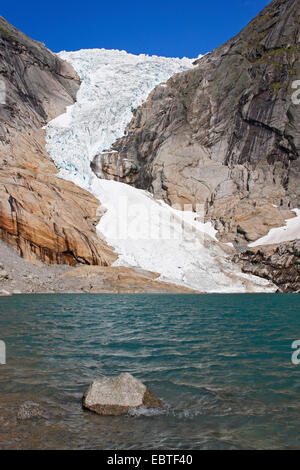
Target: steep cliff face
column 41, row 215
column 224, row 134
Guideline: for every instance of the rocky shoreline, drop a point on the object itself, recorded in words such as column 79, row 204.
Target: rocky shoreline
column 279, row 264
column 19, row 276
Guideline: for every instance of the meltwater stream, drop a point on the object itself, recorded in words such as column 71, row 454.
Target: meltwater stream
column 221, row 363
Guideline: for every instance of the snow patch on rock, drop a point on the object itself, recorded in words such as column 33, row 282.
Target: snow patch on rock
column 288, row 233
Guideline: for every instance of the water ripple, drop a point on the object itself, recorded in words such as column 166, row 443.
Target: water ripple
column 221, row 363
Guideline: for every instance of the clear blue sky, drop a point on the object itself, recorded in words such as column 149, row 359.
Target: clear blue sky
column 162, row 27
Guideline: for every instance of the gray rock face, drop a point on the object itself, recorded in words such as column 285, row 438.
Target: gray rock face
column 277, row 263
column 116, row 396
column 37, row 86
column 226, row 133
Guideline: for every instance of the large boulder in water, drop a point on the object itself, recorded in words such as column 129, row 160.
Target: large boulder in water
column 115, row 396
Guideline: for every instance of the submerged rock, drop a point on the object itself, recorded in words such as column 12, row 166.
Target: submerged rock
column 30, row 410
column 116, row 396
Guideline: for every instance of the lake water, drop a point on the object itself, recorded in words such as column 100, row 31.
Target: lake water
column 221, row 363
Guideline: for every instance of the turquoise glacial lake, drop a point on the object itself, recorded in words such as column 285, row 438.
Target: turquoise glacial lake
column 221, row 363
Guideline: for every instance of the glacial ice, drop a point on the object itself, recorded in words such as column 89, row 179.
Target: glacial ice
column 114, row 83
column 145, row 233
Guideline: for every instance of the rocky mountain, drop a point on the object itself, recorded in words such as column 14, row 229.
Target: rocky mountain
column 49, row 221
column 221, row 134
column 224, row 134
column 42, row 216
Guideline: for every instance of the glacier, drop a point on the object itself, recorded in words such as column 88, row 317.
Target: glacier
column 144, row 232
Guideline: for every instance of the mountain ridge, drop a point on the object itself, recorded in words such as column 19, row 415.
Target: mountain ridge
column 222, row 135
